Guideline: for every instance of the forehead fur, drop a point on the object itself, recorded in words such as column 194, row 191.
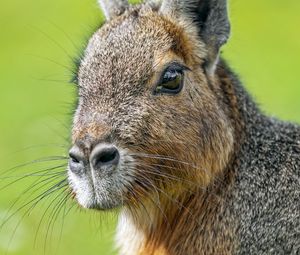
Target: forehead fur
column 123, row 51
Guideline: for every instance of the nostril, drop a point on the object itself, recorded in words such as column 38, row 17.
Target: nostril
column 76, row 163
column 74, row 158
column 108, row 156
column 105, row 156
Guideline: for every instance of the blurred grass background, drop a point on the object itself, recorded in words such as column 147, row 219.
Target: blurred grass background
column 38, row 39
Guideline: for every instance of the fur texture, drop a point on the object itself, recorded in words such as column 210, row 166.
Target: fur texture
column 113, row 8
column 202, row 172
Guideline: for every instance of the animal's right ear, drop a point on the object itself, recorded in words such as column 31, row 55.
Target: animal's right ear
column 211, row 18
column 113, row 8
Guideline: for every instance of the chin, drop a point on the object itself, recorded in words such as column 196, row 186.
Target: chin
column 98, row 195
column 101, row 202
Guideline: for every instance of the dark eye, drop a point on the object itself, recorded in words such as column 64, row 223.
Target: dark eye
column 171, row 81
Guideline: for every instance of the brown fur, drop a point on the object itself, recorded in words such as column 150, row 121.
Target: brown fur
column 178, row 197
column 201, row 172
column 195, row 215
column 183, row 217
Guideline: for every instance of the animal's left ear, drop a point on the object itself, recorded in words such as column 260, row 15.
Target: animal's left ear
column 211, row 17
column 113, row 8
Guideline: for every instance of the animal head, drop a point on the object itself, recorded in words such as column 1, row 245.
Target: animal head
column 148, row 118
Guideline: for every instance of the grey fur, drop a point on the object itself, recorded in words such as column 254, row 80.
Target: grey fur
column 266, row 194
column 250, row 205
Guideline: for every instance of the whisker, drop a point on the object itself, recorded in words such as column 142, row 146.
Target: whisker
column 140, row 203
column 54, row 62
column 37, row 183
column 52, row 80
column 34, row 174
column 161, row 157
column 66, row 35
column 36, row 200
column 53, row 215
column 45, row 212
column 50, row 191
column 64, row 206
column 169, row 177
column 43, row 216
column 30, row 175
column 157, row 204
column 53, row 41
column 180, row 205
column 164, row 174
column 56, row 145
column 176, row 142
column 33, row 162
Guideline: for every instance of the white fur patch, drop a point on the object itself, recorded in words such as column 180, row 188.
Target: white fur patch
column 129, row 239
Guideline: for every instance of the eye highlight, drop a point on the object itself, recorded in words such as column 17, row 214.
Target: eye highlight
column 171, row 81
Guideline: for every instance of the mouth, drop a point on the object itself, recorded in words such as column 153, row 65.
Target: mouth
column 125, row 178
column 101, row 184
column 104, row 194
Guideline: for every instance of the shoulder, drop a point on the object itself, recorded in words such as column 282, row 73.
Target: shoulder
column 267, row 188
column 273, row 143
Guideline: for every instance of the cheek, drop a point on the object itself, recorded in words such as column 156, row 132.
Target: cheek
column 133, row 127
column 177, row 126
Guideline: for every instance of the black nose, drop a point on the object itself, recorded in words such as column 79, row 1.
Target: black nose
column 104, row 155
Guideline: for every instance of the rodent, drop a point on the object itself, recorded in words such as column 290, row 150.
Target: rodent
column 165, row 131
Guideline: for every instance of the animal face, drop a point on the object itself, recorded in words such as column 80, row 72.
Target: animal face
column 147, row 121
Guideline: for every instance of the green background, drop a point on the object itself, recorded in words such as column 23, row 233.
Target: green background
column 38, row 38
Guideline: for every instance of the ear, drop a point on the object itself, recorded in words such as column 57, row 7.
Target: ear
column 153, row 3
column 210, row 16
column 113, row 8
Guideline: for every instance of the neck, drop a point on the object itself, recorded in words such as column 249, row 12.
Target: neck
column 197, row 220
column 168, row 225
column 238, row 104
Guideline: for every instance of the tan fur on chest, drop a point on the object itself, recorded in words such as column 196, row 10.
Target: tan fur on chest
column 155, row 251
